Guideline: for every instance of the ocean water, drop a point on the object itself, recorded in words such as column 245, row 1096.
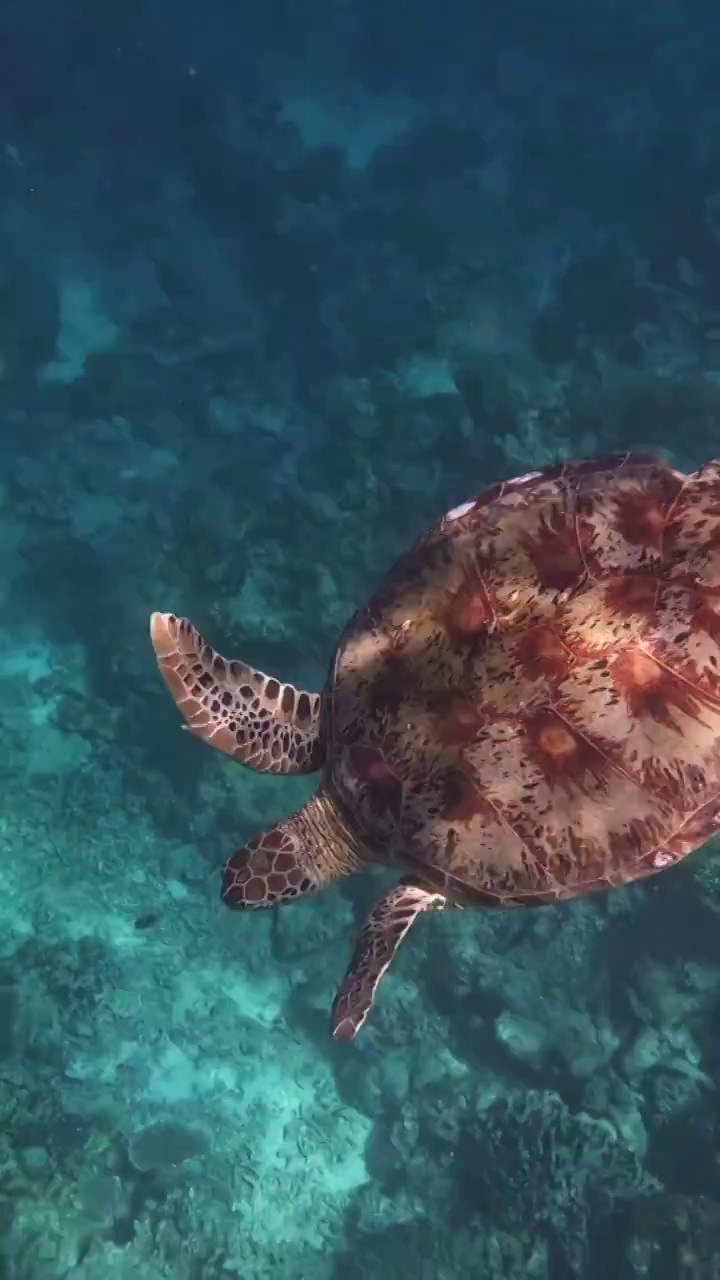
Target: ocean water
column 281, row 284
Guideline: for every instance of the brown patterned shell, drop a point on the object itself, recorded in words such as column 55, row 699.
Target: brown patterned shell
column 529, row 706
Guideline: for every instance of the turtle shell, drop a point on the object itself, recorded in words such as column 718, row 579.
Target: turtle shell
column 528, row 708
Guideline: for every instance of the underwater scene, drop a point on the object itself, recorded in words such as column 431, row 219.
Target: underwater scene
column 360, row 419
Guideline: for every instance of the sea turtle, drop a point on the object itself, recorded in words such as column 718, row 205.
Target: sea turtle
column 527, row 709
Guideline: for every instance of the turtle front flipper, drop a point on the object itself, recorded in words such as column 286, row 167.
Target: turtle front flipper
column 384, row 930
column 268, row 726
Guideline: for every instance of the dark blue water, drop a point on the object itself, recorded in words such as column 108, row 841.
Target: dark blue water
column 279, row 285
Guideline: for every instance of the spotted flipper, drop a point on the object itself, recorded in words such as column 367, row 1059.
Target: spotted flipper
column 384, row 930
column 268, row 726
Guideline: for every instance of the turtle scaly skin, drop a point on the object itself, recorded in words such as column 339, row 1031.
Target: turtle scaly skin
column 527, row 709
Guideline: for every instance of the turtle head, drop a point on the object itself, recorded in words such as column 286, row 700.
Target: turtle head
column 299, row 855
column 268, row 869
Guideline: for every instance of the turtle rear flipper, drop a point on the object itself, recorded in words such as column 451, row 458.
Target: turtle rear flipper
column 384, row 930
column 268, row 726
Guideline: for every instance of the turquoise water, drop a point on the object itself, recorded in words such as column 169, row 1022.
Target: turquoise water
column 277, row 289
